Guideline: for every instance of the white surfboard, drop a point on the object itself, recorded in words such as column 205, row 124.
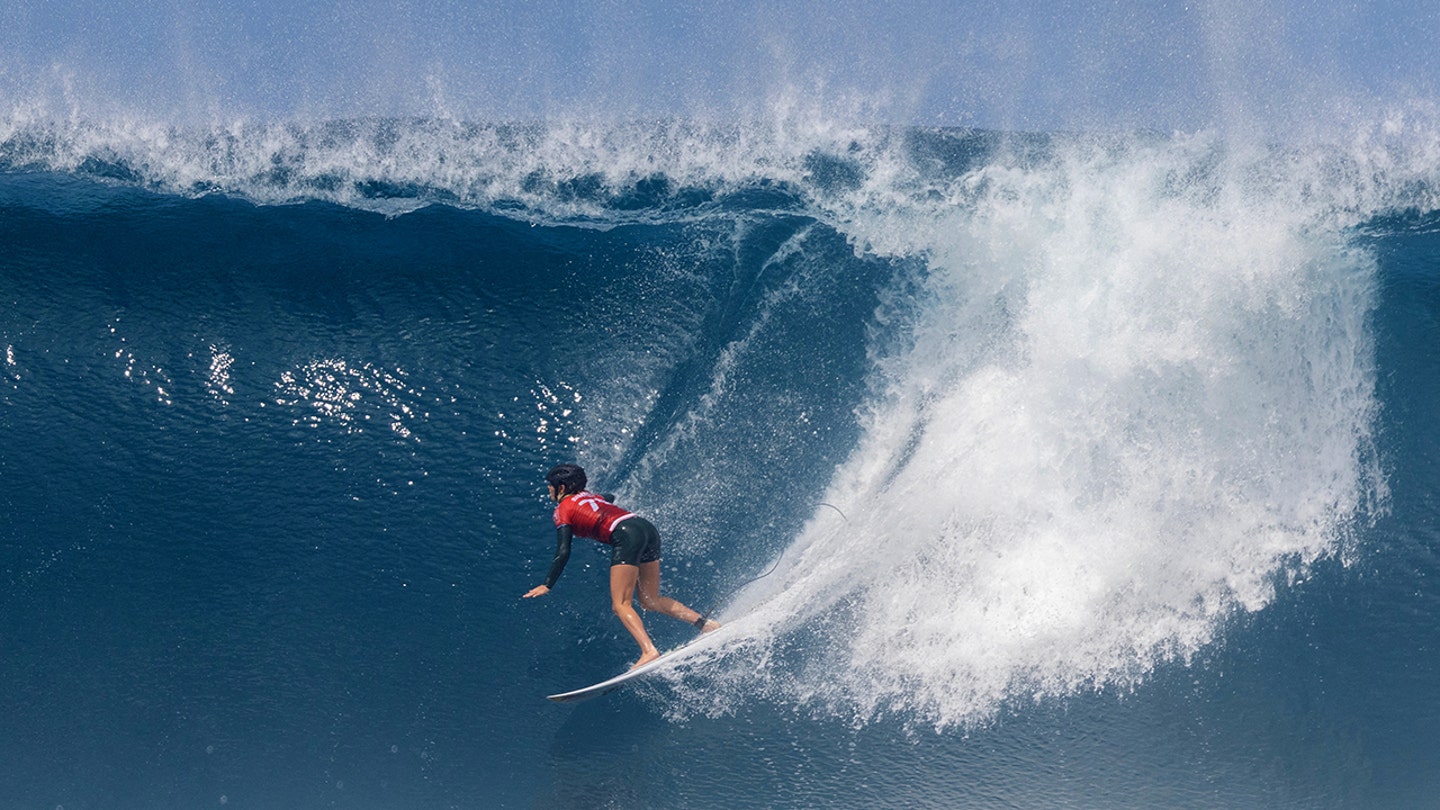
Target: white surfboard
column 595, row 690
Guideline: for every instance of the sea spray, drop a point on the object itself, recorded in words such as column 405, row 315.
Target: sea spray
column 1135, row 387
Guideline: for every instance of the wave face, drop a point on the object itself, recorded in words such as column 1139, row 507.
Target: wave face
column 952, row 425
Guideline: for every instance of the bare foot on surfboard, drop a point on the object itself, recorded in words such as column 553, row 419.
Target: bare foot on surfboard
column 646, row 658
column 710, row 626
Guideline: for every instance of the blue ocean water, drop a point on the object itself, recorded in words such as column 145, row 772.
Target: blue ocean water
column 1093, row 471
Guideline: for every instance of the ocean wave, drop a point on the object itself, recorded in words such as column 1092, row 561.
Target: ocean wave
column 1121, row 392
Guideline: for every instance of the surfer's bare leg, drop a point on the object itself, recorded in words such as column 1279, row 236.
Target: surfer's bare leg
column 622, row 596
column 650, row 598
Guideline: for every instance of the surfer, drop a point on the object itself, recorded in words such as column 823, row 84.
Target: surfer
column 634, row 559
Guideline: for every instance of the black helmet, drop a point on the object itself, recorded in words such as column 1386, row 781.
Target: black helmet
column 569, row 476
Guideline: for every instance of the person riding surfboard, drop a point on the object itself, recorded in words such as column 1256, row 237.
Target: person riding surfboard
column 634, row 558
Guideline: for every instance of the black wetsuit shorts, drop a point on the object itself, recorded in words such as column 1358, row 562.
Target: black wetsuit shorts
column 636, row 541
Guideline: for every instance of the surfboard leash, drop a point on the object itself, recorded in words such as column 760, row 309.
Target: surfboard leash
column 705, row 615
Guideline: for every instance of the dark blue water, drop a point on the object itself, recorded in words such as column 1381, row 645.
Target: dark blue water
column 274, row 438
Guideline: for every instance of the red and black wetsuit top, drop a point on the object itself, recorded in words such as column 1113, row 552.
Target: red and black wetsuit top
column 589, row 515
column 584, row 514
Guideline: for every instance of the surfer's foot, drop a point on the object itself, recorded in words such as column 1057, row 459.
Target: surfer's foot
column 710, row 626
column 646, row 658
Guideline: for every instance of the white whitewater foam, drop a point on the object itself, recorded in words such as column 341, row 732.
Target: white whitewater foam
column 1136, row 392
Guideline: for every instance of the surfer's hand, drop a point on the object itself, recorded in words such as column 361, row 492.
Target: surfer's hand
column 538, row 590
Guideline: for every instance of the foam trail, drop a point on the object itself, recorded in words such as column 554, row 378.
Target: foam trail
column 1136, row 386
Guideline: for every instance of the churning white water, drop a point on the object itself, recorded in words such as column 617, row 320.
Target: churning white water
column 1131, row 395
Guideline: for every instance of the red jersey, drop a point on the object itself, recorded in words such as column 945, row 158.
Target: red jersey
column 589, row 515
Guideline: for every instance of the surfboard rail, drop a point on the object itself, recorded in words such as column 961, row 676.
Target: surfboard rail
column 611, row 684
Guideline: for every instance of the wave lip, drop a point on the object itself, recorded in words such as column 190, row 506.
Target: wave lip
column 394, row 165
column 661, row 170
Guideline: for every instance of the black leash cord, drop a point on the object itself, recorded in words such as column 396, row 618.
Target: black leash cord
column 705, row 616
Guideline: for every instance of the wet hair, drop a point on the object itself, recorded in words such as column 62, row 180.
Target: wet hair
column 570, row 476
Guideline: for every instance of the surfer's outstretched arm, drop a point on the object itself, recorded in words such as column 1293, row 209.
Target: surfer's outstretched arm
column 563, row 535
